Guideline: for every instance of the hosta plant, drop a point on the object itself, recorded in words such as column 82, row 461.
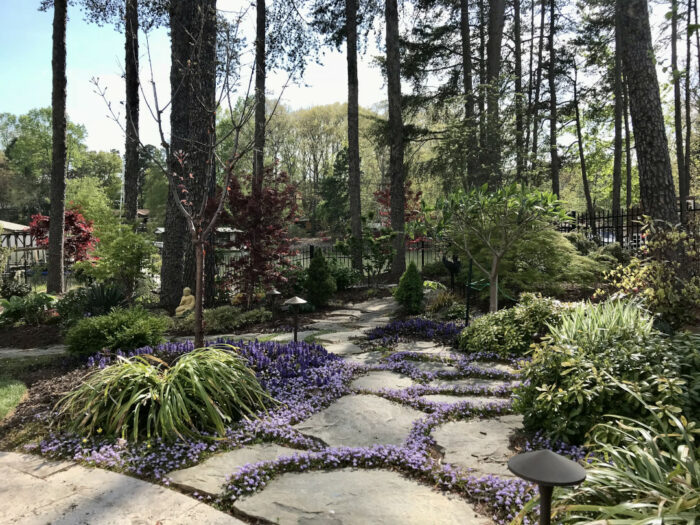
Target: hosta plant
column 201, row 393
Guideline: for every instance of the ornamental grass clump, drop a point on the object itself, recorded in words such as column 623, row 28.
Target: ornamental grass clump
column 200, row 394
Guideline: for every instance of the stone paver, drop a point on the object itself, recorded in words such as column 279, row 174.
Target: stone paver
column 343, row 349
column 342, row 337
column 289, row 336
column 479, row 444
column 494, row 365
column 377, row 380
column 433, row 366
column 425, row 347
column 345, row 313
column 361, row 421
column 15, row 353
column 350, row 497
column 210, row 475
column 373, row 357
column 474, row 400
column 42, row 492
column 467, row 382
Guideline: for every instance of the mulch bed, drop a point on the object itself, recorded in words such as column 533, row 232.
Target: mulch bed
column 25, row 336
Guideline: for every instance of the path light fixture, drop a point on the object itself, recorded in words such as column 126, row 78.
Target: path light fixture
column 295, row 304
column 548, row 470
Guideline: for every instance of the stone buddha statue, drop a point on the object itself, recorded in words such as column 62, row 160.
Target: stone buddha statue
column 186, row 303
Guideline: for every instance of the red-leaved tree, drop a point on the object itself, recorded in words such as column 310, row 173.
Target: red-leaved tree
column 78, row 235
column 263, row 236
column 412, row 206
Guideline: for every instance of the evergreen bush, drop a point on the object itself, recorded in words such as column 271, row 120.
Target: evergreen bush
column 409, row 293
column 320, row 285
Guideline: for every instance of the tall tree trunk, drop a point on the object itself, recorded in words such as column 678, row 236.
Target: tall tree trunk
column 530, row 83
column 469, row 120
column 582, row 157
column 538, row 85
column 685, row 189
column 677, row 105
column 481, row 95
column 519, row 95
column 192, row 129
column 131, row 76
column 493, row 70
column 655, row 180
column 553, row 151
column 54, row 282
column 260, row 72
column 354, row 174
column 628, row 147
column 617, row 146
column 396, row 167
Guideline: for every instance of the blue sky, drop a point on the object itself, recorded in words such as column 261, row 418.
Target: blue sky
column 93, row 51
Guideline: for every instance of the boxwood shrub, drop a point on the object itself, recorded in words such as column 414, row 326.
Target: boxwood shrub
column 123, row 329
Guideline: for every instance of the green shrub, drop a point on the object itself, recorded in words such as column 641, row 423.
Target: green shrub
column 142, row 397
column 572, row 380
column 14, row 288
column 31, row 309
column 124, row 329
column 581, row 241
column 644, row 470
column 344, row 276
column 223, row 319
column 434, row 270
column 124, row 257
column 511, row 330
column 96, row 299
column 319, row 285
column 409, row 293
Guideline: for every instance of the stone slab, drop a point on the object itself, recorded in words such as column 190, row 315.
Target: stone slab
column 433, row 366
column 361, row 421
column 342, row 337
column 474, row 400
column 343, row 349
column 345, row 313
column 374, row 357
column 80, row 495
column 426, row 347
column 210, row 475
column 479, row 444
column 356, row 497
column 289, row 336
column 467, row 382
column 495, row 365
column 375, row 381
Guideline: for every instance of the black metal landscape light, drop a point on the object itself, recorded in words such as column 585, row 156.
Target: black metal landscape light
column 548, row 470
column 295, row 303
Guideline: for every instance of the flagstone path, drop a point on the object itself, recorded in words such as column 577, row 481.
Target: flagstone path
column 70, row 493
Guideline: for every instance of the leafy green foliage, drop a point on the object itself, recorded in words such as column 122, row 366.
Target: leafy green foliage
column 11, row 393
column 567, row 387
column 123, row 329
column 376, row 248
column 96, row 299
column 664, row 279
column 512, row 330
column 88, row 196
column 123, row 256
column 645, row 470
column 142, row 397
column 14, row 288
column 344, row 276
column 320, row 285
column 335, row 208
column 223, row 319
column 409, row 293
column 32, row 309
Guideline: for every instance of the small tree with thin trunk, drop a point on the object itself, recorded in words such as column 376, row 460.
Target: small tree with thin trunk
column 496, row 220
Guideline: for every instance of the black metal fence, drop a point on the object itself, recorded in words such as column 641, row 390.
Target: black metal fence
column 420, row 252
column 606, row 228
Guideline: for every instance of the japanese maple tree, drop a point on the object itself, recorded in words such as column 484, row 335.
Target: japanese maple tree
column 78, row 241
